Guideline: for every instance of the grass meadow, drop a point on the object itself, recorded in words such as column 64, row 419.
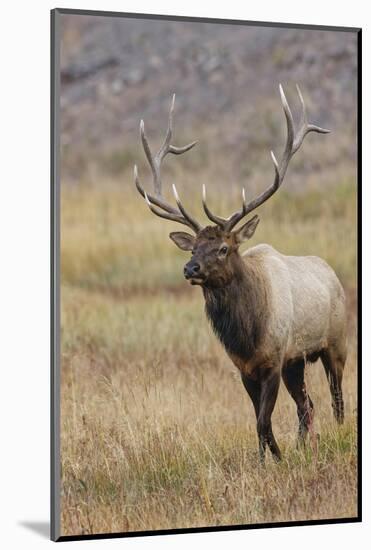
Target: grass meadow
column 157, row 431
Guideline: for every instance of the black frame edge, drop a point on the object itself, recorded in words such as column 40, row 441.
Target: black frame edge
column 54, row 280
column 191, row 530
column 359, row 269
column 194, row 19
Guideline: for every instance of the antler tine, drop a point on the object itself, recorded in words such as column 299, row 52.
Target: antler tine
column 157, row 200
column 169, row 213
column 164, row 149
column 305, row 128
column 293, row 142
column 170, row 216
column 191, row 221
column 213, row 217
column 304, row 118
column 224, row 223
column 147, row 150
column 153, row 199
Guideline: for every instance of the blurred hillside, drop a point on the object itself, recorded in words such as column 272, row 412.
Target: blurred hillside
column 116, row 71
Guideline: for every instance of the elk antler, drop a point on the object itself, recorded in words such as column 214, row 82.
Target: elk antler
column 293, row 142
column 164, row 210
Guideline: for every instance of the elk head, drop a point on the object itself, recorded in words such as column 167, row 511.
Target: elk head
column 215, row 256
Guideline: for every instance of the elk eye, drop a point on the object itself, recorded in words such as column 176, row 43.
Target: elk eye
column 223, row 250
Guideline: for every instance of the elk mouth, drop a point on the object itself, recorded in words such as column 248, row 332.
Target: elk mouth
column 197, row 280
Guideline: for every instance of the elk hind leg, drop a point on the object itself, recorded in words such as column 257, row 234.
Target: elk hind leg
column 293, row 377
column 334, row 367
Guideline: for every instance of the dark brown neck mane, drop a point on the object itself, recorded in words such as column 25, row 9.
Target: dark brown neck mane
column 238, row 311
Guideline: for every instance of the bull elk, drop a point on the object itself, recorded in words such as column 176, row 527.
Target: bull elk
column 271, row 312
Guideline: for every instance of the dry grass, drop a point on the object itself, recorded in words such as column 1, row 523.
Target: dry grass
column 157, row 430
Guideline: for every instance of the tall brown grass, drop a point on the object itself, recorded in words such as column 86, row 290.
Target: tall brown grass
column 157, row 431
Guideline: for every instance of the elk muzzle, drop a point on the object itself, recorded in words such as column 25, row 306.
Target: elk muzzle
column 193, row 272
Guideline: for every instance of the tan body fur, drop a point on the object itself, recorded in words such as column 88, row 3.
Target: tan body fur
column 306, row 309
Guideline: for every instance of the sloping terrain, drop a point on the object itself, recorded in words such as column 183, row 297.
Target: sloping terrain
column 116, row 71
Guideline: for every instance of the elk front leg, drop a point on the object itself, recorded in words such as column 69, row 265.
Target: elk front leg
column 263, row 394
column 270, row 382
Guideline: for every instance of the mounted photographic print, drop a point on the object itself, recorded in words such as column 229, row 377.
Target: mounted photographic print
column 205, row 276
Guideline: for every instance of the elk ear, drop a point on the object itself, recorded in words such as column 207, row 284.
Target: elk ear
column 183, row 240
column 247, row 230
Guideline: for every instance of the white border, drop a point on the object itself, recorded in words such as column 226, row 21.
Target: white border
column 24, row 288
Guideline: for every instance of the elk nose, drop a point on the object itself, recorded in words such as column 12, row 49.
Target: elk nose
column 191, row 269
